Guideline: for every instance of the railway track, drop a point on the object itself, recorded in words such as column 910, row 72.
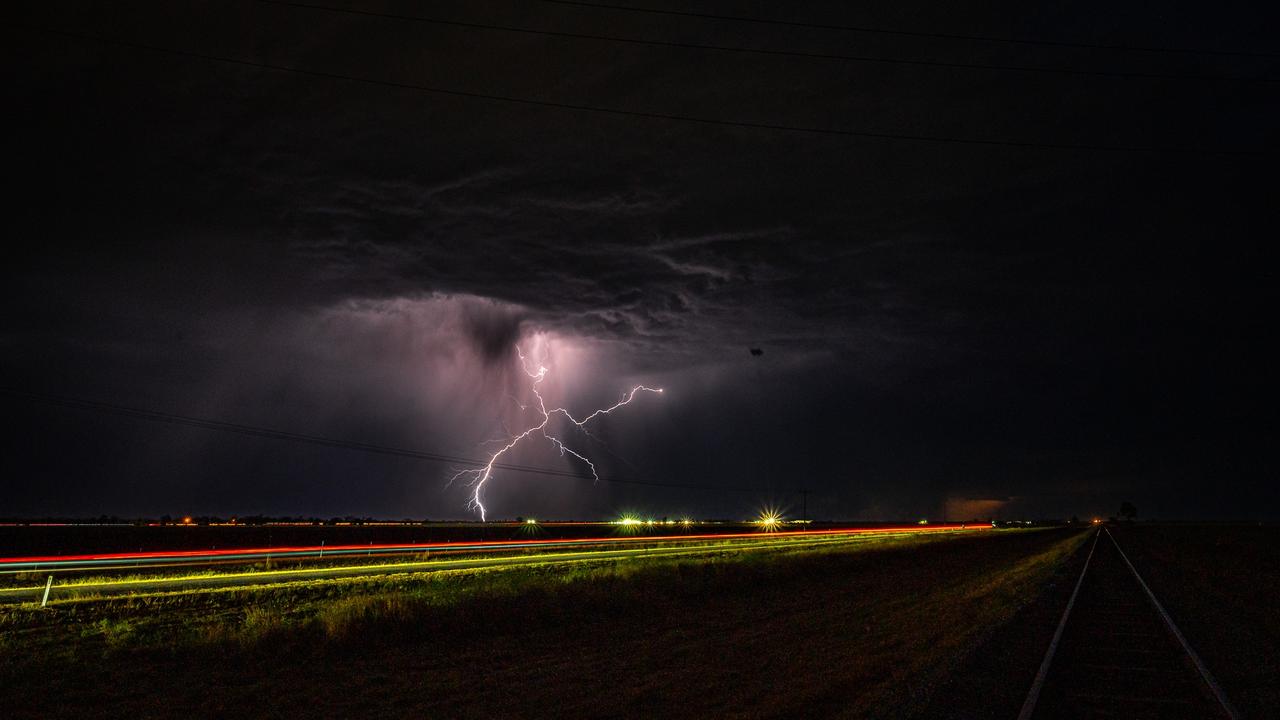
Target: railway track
column 1118, row 654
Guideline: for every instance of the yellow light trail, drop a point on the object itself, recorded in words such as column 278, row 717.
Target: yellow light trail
column 266, row 579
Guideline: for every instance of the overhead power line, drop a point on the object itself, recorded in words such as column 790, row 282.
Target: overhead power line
column 650, row 115
column 373, row 448
column 912, row 33
column 1027, row 69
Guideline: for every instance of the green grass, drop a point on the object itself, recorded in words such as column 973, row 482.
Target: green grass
column 853, row 627
column 239, row 612
column 34, row 582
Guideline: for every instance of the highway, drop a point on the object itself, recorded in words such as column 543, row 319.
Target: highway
column 209, row 570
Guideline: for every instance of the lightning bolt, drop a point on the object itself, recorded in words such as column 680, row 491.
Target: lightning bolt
column 481, row 475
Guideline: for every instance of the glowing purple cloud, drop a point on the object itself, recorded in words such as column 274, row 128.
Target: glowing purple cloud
column 481, row 475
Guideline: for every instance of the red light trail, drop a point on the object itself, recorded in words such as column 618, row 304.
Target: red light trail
column 11, row 563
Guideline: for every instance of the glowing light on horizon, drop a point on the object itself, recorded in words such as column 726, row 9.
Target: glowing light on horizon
column 481, row 475
column 769, row 521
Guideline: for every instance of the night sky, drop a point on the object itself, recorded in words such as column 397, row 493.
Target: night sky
column 1044, row 327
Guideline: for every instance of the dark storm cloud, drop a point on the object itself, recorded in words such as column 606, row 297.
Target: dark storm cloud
column 493, row 330
column 941, row 326
column 588, row 261
column 602, row 262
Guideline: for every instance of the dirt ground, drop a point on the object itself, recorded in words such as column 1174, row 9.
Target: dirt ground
column 869, row 634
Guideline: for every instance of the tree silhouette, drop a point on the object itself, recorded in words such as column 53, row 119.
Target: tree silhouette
column 1128, row 511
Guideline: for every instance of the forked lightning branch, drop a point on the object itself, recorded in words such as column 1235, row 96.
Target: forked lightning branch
column 481, row 475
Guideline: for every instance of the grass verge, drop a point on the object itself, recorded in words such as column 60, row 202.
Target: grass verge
column 866, row 629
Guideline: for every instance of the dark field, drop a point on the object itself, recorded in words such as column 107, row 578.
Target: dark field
column 949, row 626
column 1221, row 584
column 1218, row 582
column 864, row 633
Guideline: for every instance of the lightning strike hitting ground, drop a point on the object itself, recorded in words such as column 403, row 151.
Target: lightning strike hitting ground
column 481, row 475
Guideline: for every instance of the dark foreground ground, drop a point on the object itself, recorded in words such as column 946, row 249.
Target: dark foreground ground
column 1220, row 583
column 1222, row 586
column 870, row 633
column 926, row 628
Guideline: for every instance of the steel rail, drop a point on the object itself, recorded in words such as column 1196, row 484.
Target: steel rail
column 1033, row 696
column 1218, row 693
